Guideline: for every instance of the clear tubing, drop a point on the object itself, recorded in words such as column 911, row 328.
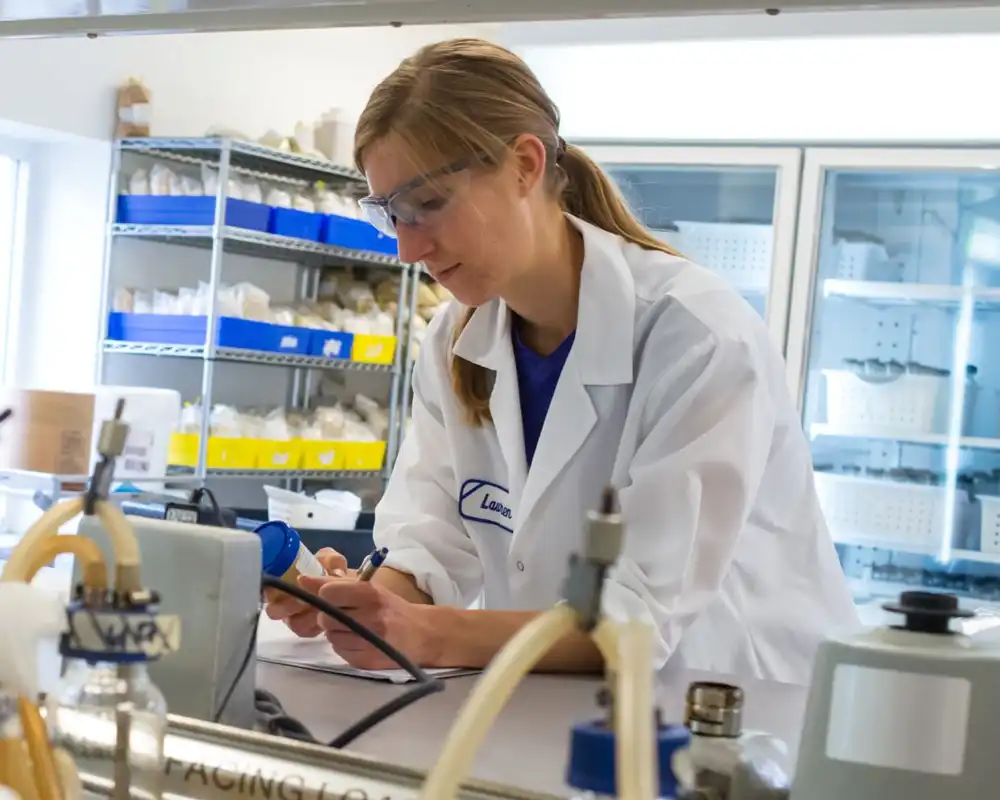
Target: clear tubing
column 491, row 694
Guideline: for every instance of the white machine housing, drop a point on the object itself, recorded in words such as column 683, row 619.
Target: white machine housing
column 903, row 712
column 210, row 578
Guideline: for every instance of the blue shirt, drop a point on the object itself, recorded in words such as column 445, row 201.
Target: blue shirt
column 537, row 377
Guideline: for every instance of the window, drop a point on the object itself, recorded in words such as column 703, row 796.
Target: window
column 13, row 192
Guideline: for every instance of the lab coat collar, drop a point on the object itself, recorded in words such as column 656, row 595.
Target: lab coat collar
column 605, row 321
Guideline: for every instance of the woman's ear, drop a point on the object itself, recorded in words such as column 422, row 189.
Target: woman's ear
column 528, row 157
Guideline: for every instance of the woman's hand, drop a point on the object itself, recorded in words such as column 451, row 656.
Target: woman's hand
column 406, row 626
column 301, row 618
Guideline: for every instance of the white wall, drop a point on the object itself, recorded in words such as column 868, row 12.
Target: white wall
column 250, row 82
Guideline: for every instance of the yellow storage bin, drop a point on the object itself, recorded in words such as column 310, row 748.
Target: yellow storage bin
column 222, row 453
column 373, row 349
column 322, row 455
column 366, row 456
column 278, row 454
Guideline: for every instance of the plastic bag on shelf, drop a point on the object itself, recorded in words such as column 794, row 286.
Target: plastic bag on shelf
column 138, row 183
column 165, row 303
column 275, row 426
column 142, row 302
column 123, row 301
column 191, row 187
column 356, row 295
column 254, row 303
column 226, row 422
column 278, row 198
column 163, row 181
column 190, row 421
column 302, row 202
column 210, row 184
column 252, row 192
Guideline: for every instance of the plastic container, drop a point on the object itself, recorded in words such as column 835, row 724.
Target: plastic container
column 989, row 541
column 373, row 349
column 222, row 453
column 241, row 334
column 742, row 254
column 904, row 403
column 883, row 511
column 322, row 455
column 283, row 555
column 331, row 344
column 279, row 454
column 296, row 224
column 169, row 210
column 356, row 234
column 592, row 769
column 301, row 511
column 363, row 456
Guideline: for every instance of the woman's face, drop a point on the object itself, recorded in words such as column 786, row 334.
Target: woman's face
column 473, row 228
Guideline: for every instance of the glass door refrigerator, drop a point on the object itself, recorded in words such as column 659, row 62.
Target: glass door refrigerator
column 894, row 348
column 729, row 209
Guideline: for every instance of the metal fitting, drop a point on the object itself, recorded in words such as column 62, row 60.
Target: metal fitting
column 714, row 709
column 110, row 445
column 602, row 545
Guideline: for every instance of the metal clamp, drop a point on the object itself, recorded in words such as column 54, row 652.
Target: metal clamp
column 110, row 445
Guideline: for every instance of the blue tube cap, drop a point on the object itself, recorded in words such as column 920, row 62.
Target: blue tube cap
column 592, row 757
column 279, row 545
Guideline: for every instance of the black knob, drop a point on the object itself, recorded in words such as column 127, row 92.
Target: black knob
column 927, row 612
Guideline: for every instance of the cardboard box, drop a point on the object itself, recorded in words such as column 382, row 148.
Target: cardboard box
column 48, row 432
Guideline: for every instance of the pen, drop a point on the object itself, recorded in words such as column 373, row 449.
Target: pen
column 372, row 562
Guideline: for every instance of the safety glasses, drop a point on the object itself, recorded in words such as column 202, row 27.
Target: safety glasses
column 418, row 202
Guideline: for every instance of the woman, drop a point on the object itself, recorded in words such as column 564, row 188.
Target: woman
column 581, row 352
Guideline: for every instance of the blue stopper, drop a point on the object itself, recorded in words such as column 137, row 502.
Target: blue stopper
column 592, row 757
column 279, row 547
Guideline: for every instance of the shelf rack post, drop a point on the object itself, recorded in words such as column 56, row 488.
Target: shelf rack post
column 396, row 421
column 212, row 324
column 104, row 301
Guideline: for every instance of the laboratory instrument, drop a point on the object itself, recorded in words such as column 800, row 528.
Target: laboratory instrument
column 905, row 711
column 205, row 577
column 627, row 649
column 108, row 711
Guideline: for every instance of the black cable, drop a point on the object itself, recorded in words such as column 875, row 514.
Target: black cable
column 277, row 722
column 247, row 658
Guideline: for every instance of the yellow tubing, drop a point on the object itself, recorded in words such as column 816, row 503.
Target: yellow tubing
column 636, row 767
column 490, row 695
column 95, row 571
column 123, row 540
column 605, row 636
column 42, row 761
column 47, row 525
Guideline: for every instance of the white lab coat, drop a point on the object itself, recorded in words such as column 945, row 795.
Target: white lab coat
column 672, row 392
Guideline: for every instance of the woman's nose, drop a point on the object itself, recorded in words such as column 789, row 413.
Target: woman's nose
column 414, row 244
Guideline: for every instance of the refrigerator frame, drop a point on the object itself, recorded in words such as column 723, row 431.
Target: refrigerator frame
column 787, row 161
column 817, row 163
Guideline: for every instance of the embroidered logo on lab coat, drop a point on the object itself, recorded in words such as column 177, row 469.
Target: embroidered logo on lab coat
column 482, row 501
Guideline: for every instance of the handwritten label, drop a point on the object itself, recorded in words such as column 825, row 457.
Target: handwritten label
column 121, row 632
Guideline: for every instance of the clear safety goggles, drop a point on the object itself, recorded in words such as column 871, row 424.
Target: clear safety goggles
column 418, row 202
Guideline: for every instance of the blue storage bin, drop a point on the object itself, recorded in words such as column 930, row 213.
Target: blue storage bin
column 167, row 210
column 330, row 344
column 297, row 224
column 356, row 234
column 237, row 333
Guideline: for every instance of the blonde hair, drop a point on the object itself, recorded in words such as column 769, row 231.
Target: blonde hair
column 468, row 99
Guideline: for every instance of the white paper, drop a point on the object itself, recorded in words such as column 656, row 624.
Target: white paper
column 278, row 645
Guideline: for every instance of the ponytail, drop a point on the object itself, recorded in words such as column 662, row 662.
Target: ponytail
column 587, row 193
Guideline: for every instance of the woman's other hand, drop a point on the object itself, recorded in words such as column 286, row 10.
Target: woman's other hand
column 406, row 626
column 300, row 617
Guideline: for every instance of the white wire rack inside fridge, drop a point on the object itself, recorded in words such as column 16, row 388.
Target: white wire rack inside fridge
column 149, row 253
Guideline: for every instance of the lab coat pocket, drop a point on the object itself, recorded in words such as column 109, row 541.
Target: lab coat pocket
column 486, row 502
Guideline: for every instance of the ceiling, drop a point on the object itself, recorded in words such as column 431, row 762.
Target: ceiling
column 79, row 17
